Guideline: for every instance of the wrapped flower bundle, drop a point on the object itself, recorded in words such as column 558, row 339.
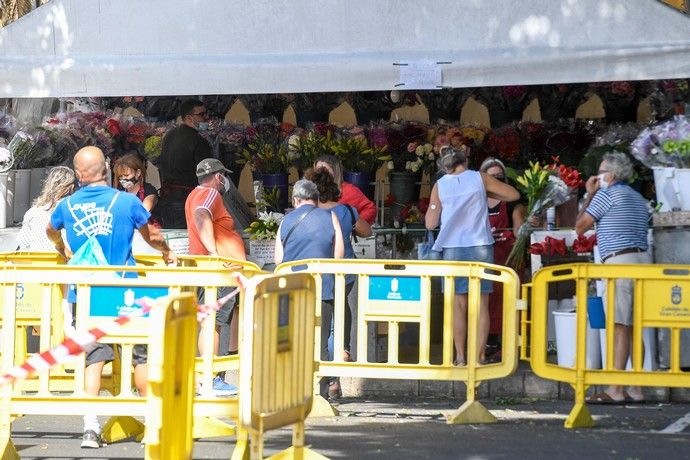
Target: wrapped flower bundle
column 544, row 187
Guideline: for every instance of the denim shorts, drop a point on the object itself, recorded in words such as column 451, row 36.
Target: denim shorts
column 471, row 254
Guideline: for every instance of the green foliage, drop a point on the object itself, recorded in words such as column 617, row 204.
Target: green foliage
column 304, row 150
column 357, row 156
column 266, row 156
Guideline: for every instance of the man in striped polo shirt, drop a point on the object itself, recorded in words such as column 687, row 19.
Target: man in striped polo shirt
column 212, row 232
column 622, row 220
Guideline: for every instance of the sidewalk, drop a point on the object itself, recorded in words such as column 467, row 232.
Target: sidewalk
column 390, row 428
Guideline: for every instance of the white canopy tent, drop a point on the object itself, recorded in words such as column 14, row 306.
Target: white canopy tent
column 70, row 48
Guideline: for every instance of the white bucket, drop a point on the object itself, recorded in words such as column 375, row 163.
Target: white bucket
column 672, row 188
column 566, row 327
column 38, row 177
column 6, row 199
column 22, row 198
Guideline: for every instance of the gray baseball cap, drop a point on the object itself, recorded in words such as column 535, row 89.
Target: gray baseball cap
column 209, row 166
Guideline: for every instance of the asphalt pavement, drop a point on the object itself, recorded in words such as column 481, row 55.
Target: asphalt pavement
column 376, row 429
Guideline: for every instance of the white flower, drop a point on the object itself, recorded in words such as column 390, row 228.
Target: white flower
column 431, row 156
column 419, row 151
column 428, row 148
column 414, row 166
column 390, row 165
column 293, row 143
column 6, row 159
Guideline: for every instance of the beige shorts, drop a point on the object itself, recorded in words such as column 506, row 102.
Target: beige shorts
column 624, row 287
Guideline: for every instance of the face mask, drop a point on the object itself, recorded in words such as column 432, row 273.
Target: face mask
column 602, row 181
column 202, row 126
column 226, row 184
column 127, row 183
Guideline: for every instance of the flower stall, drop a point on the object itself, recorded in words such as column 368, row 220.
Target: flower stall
column 312, row 73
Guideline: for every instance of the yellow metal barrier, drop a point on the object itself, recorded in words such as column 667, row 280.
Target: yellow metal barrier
column 398, row 291
column 525, row 321
column 171, row 351
column 277, row 365
column 170, row 387
column 660, row 300
column 101, row 294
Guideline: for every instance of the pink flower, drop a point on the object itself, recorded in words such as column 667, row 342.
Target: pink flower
column 411, row 147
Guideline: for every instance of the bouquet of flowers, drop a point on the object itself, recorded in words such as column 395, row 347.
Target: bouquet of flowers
column 20, row 149
column 667, row 144
column 6, row 158
column 544, row 186
column 265, row 227
column 425, row 158
column 668, row 96
column 228, row 141
column 402, row 141
column 504, row 143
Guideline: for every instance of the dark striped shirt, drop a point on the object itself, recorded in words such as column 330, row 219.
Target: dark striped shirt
column 622, row 219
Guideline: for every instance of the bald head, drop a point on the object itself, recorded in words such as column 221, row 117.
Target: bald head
column 89, row 164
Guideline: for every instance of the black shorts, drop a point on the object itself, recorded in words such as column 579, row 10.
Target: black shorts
column 103, row 352
column 225, row 313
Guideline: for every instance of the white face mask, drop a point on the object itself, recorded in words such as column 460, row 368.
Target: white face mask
column 603, row 183
column 226, row 184
column 202, row 126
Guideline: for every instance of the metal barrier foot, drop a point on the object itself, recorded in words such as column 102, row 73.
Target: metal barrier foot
column 297, row 453
column 241, row 450
column 322, row 408
column 122, row 427
column 470, row 412
column 579, row 417
column 209, row 427
column 9, row 452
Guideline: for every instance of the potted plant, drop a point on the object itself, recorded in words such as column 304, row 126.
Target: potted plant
column 405, row 162
column 267, row 153
column 303, row 150
column 360, row 160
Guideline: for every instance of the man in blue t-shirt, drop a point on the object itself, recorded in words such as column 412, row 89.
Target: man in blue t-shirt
column 622, row 218
column 111, row 216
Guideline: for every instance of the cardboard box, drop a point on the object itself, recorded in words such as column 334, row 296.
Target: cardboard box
column 262, row 252
column 365, row 248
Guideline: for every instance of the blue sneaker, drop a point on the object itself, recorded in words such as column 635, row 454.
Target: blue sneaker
column 222, row 388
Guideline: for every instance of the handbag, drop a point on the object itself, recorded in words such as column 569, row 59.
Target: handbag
column 425, row 249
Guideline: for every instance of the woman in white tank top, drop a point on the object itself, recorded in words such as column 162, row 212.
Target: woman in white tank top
column 459, row 204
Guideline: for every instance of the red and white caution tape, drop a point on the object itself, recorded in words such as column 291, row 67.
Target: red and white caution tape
column 78, row 344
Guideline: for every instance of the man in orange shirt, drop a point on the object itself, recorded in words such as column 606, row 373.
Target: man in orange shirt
column 212, row 231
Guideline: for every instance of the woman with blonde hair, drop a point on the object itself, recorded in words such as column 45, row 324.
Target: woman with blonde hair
column 32, row 236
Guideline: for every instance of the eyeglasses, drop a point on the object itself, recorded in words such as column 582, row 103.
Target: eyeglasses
column 200, row 114
column 603, row 171
column 499, row 177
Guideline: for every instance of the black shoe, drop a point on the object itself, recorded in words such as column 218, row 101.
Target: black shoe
column 91, row 440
